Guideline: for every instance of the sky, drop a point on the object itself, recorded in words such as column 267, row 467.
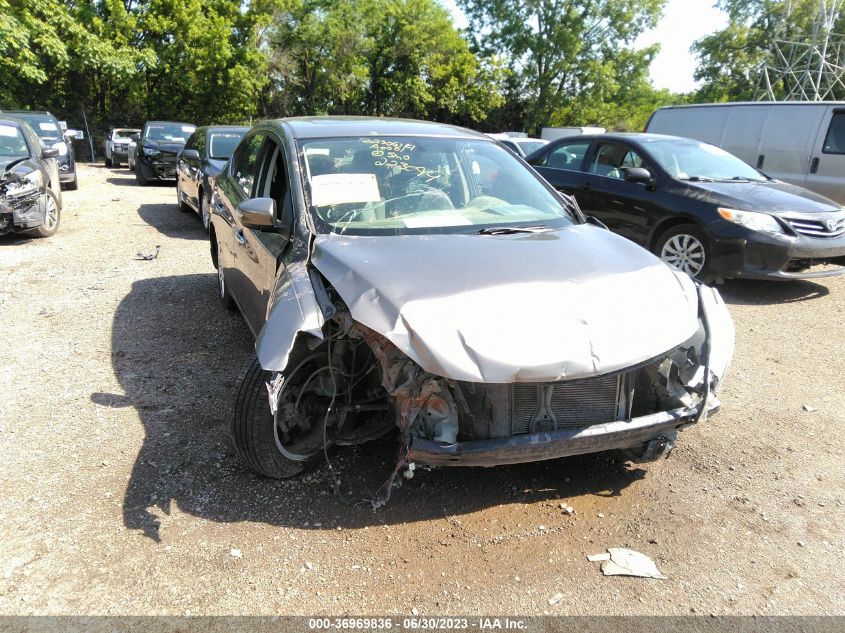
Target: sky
column 684, row 21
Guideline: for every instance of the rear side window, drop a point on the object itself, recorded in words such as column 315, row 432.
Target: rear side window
column 244, row 160
column 567, row 156
column 834, row 142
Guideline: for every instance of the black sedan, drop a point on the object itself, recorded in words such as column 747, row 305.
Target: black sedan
column 205, row 154
column 697, row 207
column 156, row 150
column 53, row 134
column 30, row 193
column 418, row 278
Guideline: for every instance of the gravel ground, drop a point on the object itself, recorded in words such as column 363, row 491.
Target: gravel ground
column 122, row 494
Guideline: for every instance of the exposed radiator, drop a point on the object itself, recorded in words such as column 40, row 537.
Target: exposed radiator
column 548, row 406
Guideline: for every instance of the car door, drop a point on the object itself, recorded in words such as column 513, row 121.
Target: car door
column 826, row 173
column 186, row 170
column 626, row 208
column 259, row 250
column 234, row 186
column 561, row 165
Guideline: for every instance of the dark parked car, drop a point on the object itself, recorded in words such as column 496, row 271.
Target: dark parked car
column 419, row 278
column 117, row 145
column 55, row 135
column 205, row 154
column 156, row 149
column 699, row 208
column 30, row 193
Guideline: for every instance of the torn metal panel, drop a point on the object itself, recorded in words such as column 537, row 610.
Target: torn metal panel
column 722, row 332
column 293, row 309
column 512, row 308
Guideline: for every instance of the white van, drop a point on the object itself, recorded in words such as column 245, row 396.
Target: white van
column 800, row 142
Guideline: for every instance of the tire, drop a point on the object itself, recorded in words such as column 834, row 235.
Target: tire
column 686, row 248
column 205, row 212
column 184, row 207
column 139, row 176
column 53, row 218
column 108, row 161
column 73, row 185
column 222, row 289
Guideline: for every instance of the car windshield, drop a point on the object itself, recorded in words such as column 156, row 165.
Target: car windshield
column 398, row 185
column 691, row 160
column 12, row 144
column 45, row 125
column 123, row 135
column 222, row 144
column 169, row 132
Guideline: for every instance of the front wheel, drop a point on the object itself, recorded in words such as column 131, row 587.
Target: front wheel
column 205, row 212
column 687, row 249
column 139, row 176
column 52, row 217
column 180, row 198
column 280, row 446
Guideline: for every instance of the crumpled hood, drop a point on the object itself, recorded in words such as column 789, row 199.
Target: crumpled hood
column 165, row 146
column 571, row 303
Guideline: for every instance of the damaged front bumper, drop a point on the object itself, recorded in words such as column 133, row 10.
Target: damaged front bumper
column 22, row 213
column 627, row 434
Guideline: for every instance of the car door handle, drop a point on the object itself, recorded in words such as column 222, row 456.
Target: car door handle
column 760, row 159
column 814, row 165
column 240, row 237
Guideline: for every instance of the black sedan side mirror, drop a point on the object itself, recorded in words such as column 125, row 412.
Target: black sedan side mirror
column 257, row 213
column 638, row 174
column 191, row 154
column 49, row 152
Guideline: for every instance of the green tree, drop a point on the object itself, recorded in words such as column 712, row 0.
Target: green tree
column 568, row 58
column 375, row 57
column 730, row 60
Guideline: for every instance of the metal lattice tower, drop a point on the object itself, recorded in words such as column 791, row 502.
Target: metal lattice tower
column 811, row 68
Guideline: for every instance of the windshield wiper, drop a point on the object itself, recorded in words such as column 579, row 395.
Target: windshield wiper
column 508, row 230
column 698, row 179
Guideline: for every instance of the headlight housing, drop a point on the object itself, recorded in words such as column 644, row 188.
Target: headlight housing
column 26, row 185
column 151, row 151
column 751, row 220
column 62, row 147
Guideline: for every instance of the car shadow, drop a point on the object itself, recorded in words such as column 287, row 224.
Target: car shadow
column 176, row 353
column 124, row 178
column 764, row 292
column 171, row 222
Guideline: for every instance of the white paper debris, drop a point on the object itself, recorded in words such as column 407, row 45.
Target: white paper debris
column 808, row 408
column 235, row 553
column 594, row 558
column 555, row 598
column 627, row 562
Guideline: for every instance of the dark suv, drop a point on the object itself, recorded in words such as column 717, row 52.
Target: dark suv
column 157, row 148
column 52, row 134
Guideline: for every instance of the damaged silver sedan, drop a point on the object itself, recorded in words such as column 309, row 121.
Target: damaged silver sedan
column 419, row 279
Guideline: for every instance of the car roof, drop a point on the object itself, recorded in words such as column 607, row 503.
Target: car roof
column 331, row 126
column 635, row 137
column 224, row 128
column 175, row 122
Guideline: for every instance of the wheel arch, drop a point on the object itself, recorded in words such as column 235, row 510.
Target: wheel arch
column 669, row 223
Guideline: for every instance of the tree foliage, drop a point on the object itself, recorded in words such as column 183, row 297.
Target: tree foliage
column 730, row 60
column 568, row 59
column 375, row 57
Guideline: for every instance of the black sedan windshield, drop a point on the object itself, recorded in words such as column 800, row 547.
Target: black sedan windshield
column 692, row 160
column 222, row 144
column 411, row 184
column 169, row 132
column 12, row 144
column 45, row 125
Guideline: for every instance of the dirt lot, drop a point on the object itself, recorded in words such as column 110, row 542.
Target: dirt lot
column 121, row 493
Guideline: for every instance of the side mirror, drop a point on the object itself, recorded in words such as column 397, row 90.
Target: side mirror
column 638, row 174
column 191, row 154
column 49, row 152
column 78, row 135
column 257, row 213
